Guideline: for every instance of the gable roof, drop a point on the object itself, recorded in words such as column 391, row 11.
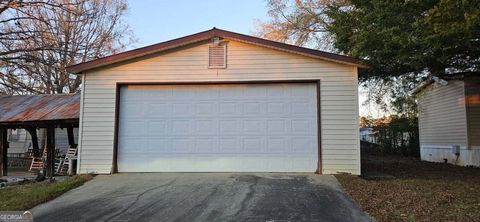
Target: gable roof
column 39, row 108
column 446, row 77
column 205, row 35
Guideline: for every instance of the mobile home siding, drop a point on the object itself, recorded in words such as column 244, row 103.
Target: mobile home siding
column 443, row 123
column 443, row 115
column 24, row 141
column 19, row 145
column 339, row 96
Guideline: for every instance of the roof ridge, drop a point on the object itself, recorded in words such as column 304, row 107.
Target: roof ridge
column 204, row 35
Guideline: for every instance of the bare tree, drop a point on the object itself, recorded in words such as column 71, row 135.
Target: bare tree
column 13, row 13
column 54, row 35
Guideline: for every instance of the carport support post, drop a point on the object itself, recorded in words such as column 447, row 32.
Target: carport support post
column 3, row 151
column 71, row 137
column 33, row 134
column 50, row 151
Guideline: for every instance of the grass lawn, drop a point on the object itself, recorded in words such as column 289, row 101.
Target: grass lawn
column 406, row 189
column 24, row 197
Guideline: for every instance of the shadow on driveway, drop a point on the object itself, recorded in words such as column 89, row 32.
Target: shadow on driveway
column 204, row 197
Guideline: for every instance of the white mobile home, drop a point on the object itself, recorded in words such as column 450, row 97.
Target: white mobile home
column 449, row 120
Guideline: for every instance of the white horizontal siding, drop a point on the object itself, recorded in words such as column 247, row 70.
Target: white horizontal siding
column 442, row 115
column 24, row 143
column 340, row 146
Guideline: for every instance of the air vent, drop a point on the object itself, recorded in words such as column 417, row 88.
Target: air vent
column 217, row 56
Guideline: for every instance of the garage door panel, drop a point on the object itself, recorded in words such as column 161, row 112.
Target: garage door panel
column 303, row 145
column 156, row 127
column 230, row 145
column 183, row 93
column 278, row 92
column 206, row 127
column 303, row 126
column 302, row 108
column 228, row 126
column 278, row 126
column 135, row 127
column 159, row 95
column 205, row 93
column 253, row 108
column 254, row 145
column 232, row 92
column 254, row 126
column 134, row 144
column 218, row 128
column 182, row 109
column 229, row 108
column 221, row 163
column 182, row 145
column 206, row 145
column 303, row 92
column 156, row 109
column 304, row 163
column 134, row 109
column 278, row 145
column 133, row 95
column 278, row 108
column 205, row 108
column 158, row 146
column 181, row 127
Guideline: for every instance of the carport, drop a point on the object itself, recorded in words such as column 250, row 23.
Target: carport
column 32, row 112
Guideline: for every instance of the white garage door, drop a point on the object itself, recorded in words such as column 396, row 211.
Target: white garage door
column 218, row 128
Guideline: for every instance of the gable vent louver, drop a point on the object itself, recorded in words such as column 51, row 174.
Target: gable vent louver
column 217, row 56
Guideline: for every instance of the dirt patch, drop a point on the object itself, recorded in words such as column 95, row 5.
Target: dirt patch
column 412, row 190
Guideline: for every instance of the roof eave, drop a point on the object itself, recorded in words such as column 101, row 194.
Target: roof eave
column 42, row 123
column 422, row 86
column 202, row 36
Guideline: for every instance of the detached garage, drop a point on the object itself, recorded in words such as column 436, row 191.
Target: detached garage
column 219, row 101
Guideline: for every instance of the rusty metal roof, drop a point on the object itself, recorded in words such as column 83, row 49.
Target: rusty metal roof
column 39, row 108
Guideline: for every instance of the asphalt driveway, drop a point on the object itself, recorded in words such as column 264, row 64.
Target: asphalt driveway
column 204, row 197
